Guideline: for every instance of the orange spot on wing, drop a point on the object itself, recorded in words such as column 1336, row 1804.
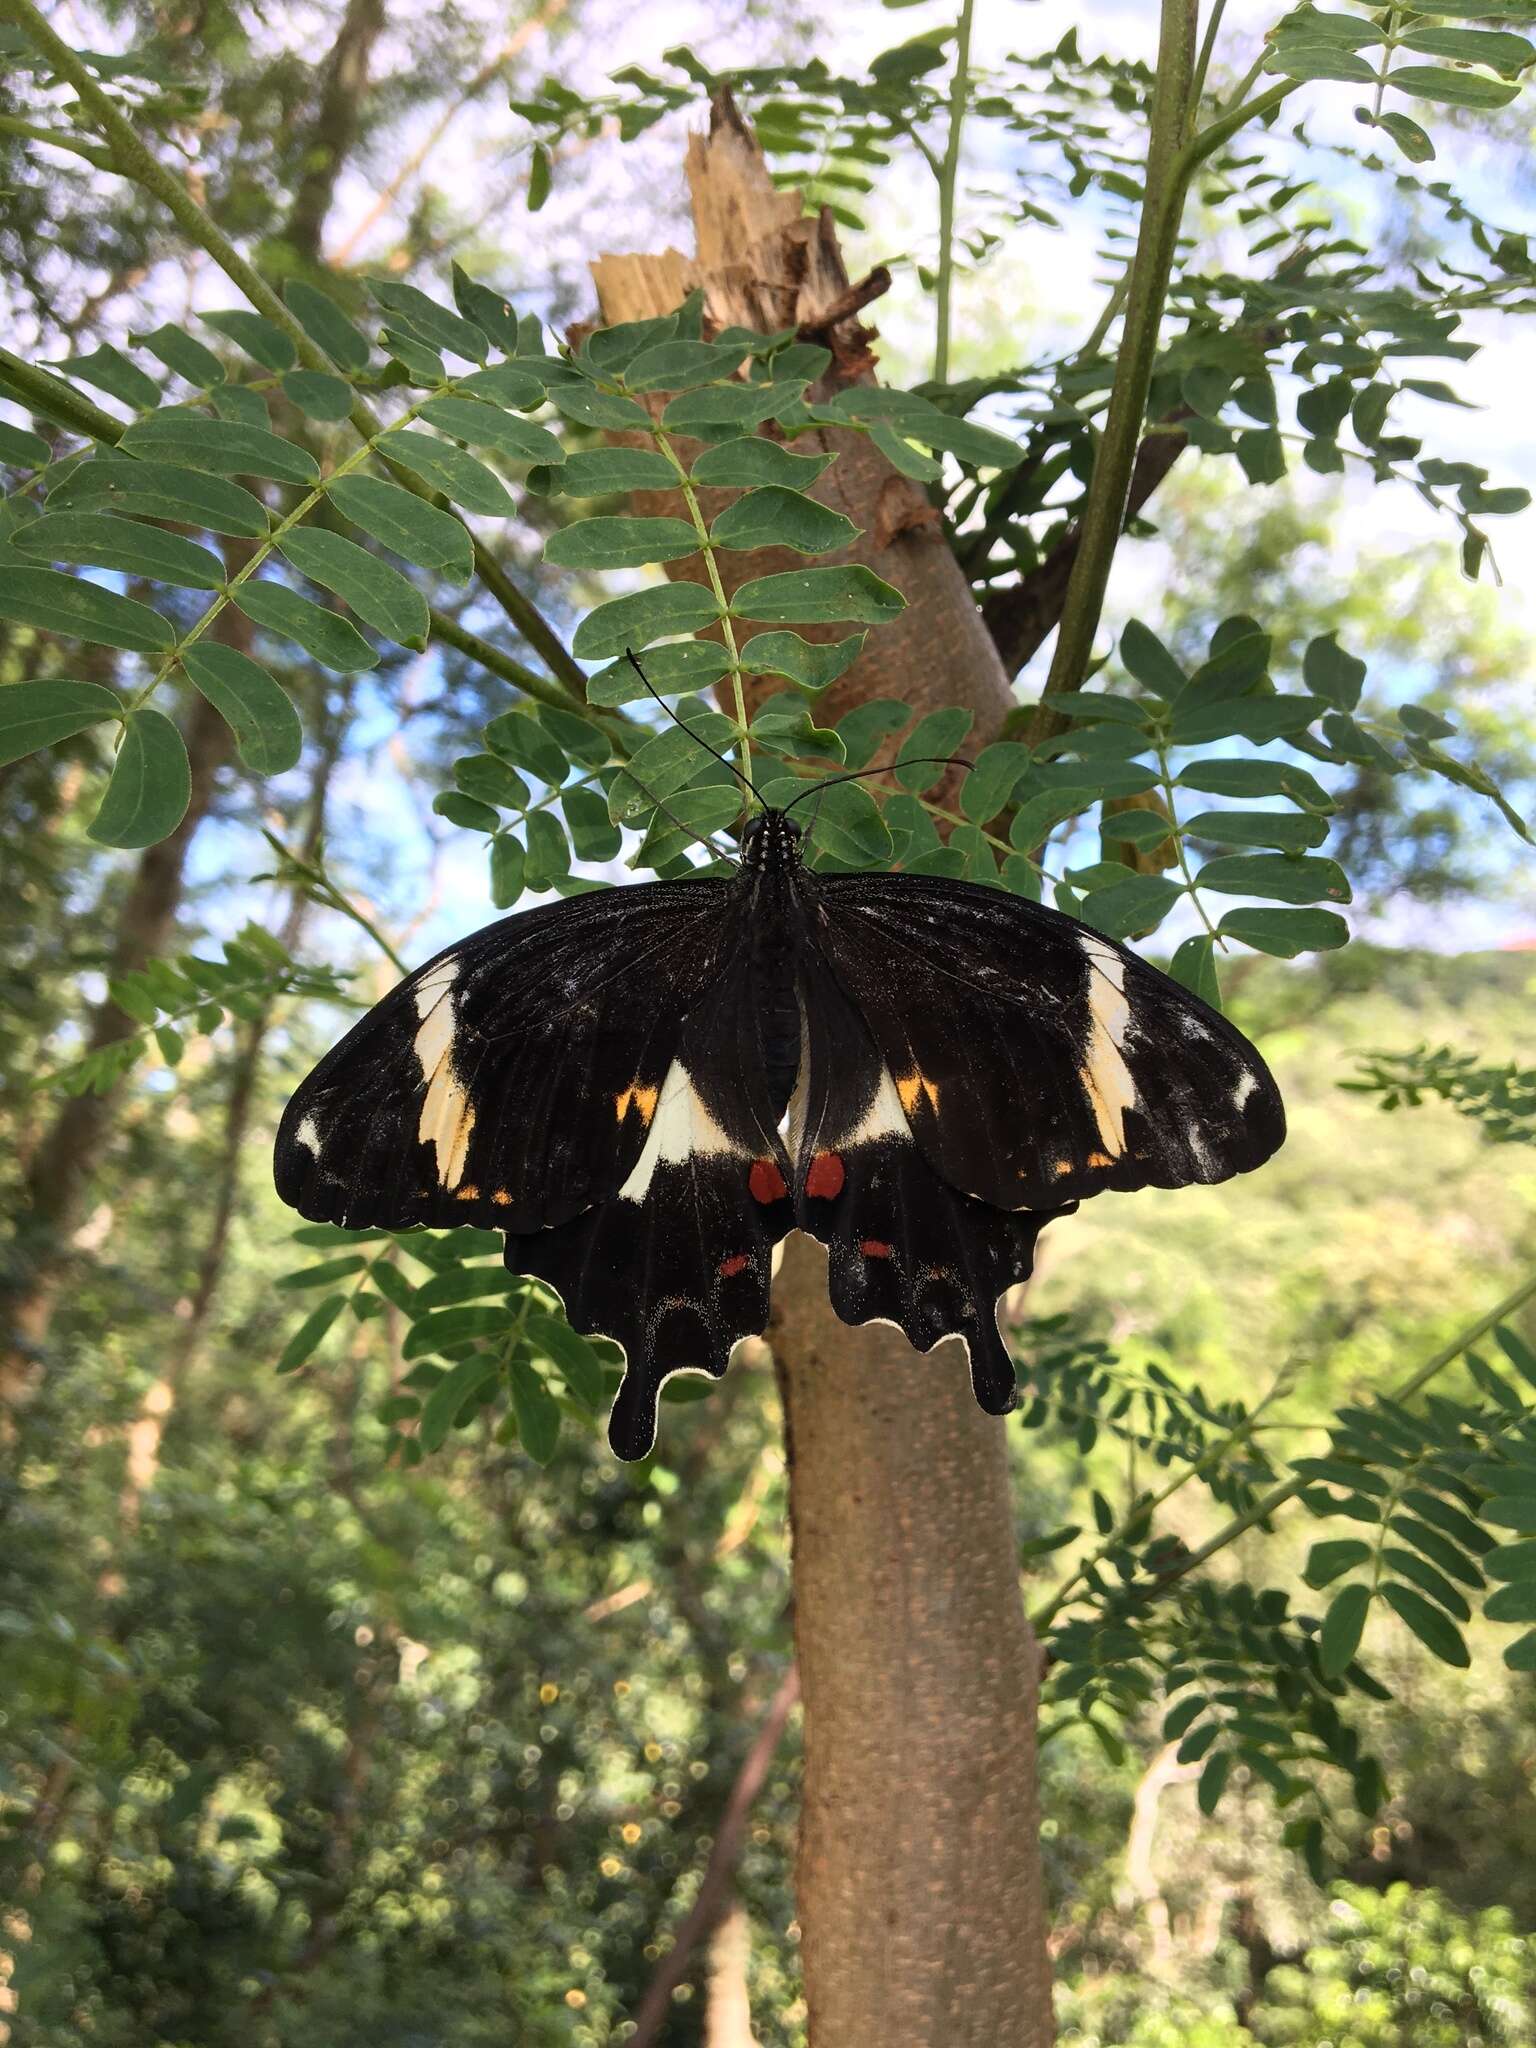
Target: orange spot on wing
column 643, row 1099
column 872, row 1248
column 467, row 1195
column 913, row 1087
column 1100, row 1159
column 501, row 1198
column 825, row 1179
column 738, row 1262
column 765, row 1183
column 1061, row 1167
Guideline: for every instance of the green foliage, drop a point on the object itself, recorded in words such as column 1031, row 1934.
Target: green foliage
column 1501, row 1098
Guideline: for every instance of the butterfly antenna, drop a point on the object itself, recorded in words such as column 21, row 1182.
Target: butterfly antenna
column 724, row 760
column 720, row 852
column 885, row 768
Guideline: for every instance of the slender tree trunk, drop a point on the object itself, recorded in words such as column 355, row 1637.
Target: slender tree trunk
column 61, row 1166
column 343, row 87
column 919, row 1882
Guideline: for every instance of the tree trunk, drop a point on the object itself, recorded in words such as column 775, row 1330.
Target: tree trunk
column 61, row 1166
column 919, row 1881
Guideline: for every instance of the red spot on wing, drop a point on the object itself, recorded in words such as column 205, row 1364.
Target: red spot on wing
column 765, row 1183
column 872, row 1248
column 737, row 1263
column 825, row 1179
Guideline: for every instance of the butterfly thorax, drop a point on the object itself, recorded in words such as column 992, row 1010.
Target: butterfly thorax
column 770, row 842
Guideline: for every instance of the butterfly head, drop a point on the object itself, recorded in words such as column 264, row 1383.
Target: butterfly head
column 771, row 842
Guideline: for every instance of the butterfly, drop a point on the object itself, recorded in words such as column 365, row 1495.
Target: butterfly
column 647, row 1088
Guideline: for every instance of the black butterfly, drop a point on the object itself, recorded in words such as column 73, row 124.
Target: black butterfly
column 647, row 1088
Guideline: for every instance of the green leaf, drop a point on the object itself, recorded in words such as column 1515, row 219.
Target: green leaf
column 1409, row 1565
column 995, row 775
column 470, row 419
column 1259, row 719
column 447, row 1399
column 491, row 781
column 620, row 543
column 24, row 449
column 429, row 538
column 327, row 326
column 811, row 664
column 540, row 172
column 159, row 490
column 465, row 811
column 1100, row 707
column 448, row 469
column 598, row 472
column 189, row 359
column 664, row 764
column 255, row 707
column 863, row 728
column 508, row 863
column 720, row 409
column 194, row 441
column 586, row 817
column 571, row 1355
column 644, row 616
column 929, row 746
column 151, row 784
column 1299, row 58
column 523, row 740
column 1512, row 1511
column 578, row 738
column 548, row 857
column 262, row 342
column 609, row 410
column 1436, row 1631
column 1500, row 51
column 537, row 1412
column 807, row 596
column 34, row 715
column 1138, row 904
column 682, row 665
column 317, row 395
column 886, row 435
column 1521, row 1656
column 1285, row 933
column 492, row 312
column 1290, row 831
column 752, row 460
column 1409, row 137
column 675, row 365
column 846, row 823
column 80, row 610
column 1148, row 660
column 1343, row 1626
column 1512, row 1561
column 1039, row 815
column 1194, row 966
column 517, row 387
column 99, row 541
column 378, row 593
column 698, row 811
column 1288, row 880
column 1261, row 452
column 424, row 316
column 321, row 1275
column 1213, row 1781
column 445, row 1328
column 1452, row 89
column 1332, row 674
column 334, row 641
column 110, row 371
column 307, row 1338
column 1257, row 778
column 775, row 517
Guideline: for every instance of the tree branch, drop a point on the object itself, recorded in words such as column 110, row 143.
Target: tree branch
column 656, row 2006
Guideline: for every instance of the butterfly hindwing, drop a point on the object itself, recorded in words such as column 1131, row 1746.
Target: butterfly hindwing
column 514, row 1079
column 1035, row 1061
column 903, row 1246
column 675, row 1265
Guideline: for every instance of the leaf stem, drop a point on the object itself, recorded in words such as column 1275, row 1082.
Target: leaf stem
column 690, row 498
column 948, row 175
column 330, row 892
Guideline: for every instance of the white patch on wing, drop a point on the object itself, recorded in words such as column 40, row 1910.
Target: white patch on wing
column 884, row 1118
column 308, row 1135
column 681, row 1129
column 446, row 1118
column 1244, row 1089
column 1104, row 1073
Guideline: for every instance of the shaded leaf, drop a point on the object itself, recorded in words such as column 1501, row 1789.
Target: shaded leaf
column 34, row 715
column 150, row 787
column 255, row 707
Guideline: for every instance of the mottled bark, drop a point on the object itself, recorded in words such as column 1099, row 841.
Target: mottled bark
column 919, row 1879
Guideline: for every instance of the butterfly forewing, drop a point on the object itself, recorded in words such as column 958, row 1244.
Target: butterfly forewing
column 514, row 1079
column 1035, row 1061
